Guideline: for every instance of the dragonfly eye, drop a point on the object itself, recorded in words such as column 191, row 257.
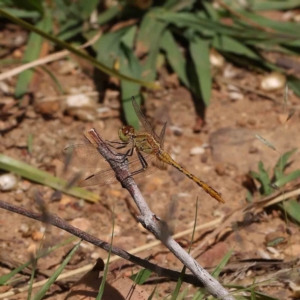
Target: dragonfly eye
column 125, row 133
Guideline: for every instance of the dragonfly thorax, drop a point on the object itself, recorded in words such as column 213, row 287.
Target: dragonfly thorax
column 126, row 133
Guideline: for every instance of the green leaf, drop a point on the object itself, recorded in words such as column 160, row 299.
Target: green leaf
column 211, row 11
column 216, row 272
column 108, row 46
column 294, row 83
column 228, row 44
column 106, row 268
column 6, row 277
column 292, row 208
column 41, row 293
column 87, row 7
column 148, row 41
column 287, row 178
column 129, row 64
column 260, row 5
column 21, row 13
column 108, row 14
column 199, row 49
column 174, row 56
column 33, row 5
column 263, row 178
column 77, row 52
column 282, row 163
column 32, row 52
column 140, row 277
column 26, row 171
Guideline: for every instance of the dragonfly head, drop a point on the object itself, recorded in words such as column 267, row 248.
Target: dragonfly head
column 125, row 133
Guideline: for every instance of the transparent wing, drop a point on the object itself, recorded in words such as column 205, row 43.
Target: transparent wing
column 108, row 176
column 143, row 119
column 162, row 136
column 86, row 156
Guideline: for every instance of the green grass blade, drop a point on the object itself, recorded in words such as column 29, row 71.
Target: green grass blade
column 5, row 278
column 274, row 5
column 34, row 265
column 26, row 171
column 216, row 272
column 41, row 293
column 174, row 56
column 55, row 80
column 32, row 53
column 282, row 163
column 140, row 277
column 102, row 286
column 199, row 49
column 75, row 51
column 23, row 14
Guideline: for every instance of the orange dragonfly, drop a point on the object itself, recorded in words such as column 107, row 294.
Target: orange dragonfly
column 146, row 146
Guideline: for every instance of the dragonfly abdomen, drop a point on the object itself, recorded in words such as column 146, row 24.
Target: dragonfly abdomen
column 208, row 189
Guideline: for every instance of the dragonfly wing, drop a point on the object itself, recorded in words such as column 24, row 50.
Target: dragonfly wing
column 108, row 176
column 85, row 156
column 143, row 119
column 162, row 136
column 102, row 178
column 160, row 164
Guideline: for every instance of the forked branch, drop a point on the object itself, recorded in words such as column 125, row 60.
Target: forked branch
column 152, row 223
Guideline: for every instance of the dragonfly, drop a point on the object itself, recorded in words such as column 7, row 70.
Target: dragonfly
column 146, row 145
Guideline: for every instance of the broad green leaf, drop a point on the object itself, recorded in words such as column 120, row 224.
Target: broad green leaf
column 287, row 178
column 108, row 14
column 108, row 47
column 129, row 64
column 41, row 293
column 129, row 37
column 87, row 7
column 32, row 52
column 282, row 163
column 263, row 178
column 292, row 208
column 97, row 64
column 174, row 56
column 228, row 44
column 199, row 49
column 26, row 171
column 148, row 41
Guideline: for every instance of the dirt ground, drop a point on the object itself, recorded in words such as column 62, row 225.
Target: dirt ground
column 221, row 154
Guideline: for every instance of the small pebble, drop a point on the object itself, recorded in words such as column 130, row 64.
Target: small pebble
column 197, row 150
column 8, row 182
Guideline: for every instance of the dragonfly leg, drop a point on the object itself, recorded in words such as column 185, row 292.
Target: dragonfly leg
column 121, row 144
column 143, row 163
